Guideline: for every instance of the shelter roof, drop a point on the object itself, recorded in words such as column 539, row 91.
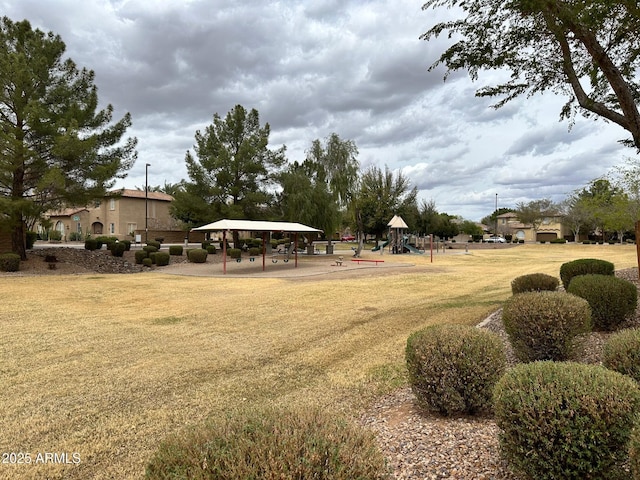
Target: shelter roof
column 255, row 226
column 397, row 222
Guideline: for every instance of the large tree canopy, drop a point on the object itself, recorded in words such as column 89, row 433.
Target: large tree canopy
column 586, row 49
column 233, row 171
column 56, row 149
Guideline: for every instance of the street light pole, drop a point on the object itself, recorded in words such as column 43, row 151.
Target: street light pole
column 146, row 203
column 496, row 230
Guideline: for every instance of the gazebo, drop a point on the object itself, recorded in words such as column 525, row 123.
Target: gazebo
column 227, row 225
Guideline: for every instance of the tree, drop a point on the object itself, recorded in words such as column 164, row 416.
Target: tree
column 56, row 148
column 382, row 195
column 233, row 171
column 604, row 202
column 533, row 213
column 588, row 50
column 306, row 197
column 576, row 216
column 470, row 228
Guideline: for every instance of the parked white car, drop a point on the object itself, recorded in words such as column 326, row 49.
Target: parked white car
column 496, row 240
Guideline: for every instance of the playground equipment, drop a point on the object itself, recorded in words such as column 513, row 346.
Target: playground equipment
column 378, row 247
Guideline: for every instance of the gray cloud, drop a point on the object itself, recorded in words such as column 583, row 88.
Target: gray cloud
column 319, row 66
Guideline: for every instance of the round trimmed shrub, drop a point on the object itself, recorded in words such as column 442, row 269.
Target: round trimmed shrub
column 612, row 299
column 150, row 248
column 91, row 244
column 118, row 249
column 234, row 252
column 147, row 262
column 453, row 368
column 152, row 243
column 175, row 250
column 255, row 251
column 212, row 249
column 534, row 282
column 565, row 420
column 162, row 259
column 621, row 353
column 197, row 255
column 545, row 325
column 584, row 266
column 9, row 262
column 270, row 443
column 127, row 244
column 140, row 255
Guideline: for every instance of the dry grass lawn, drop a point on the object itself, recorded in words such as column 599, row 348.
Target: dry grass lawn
column 106, row 366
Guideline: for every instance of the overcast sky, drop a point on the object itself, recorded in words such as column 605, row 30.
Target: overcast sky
column 313, row 67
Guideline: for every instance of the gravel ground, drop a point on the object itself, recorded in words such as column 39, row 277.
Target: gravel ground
column 422, row 445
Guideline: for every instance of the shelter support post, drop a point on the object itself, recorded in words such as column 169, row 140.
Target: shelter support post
column 264, row 249
column 224, row 252
column 295, row 248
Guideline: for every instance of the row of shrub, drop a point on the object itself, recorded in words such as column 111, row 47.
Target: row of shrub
column 558, row 418
column 149, row 255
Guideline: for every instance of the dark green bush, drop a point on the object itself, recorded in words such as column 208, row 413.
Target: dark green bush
column 255, row 251
column 9, row 262
column 127, row 244
column 545, row 325
column 147, row 262
column 175, row 250
column 91, row 244
column 159, row 240
column 612, row 299
column 150, row 248
column 206, row 243
column 140, row 255
column 565, row 420
column 584, row 266
column 197, row 255
column 31, row 238
column 621, row 353
column 234, row 252
column 453, row 368
column 151, row 243
column 212, row 249
column 162, row 258
column 558, row 240
column 270, row 443
column 152, row 256
column 118, row 249
column 534, row 282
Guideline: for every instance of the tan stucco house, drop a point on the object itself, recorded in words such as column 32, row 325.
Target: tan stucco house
column 118, row 214
column 550, row 228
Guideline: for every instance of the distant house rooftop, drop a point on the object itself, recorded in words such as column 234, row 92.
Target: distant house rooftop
column 130, row 193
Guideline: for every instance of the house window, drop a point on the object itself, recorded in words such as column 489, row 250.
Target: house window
column 112, row 228
column 131, row 227
column 112, row 204
column 78, row 227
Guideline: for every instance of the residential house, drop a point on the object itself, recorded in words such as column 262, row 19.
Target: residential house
column 119, row 214
column 550, row 228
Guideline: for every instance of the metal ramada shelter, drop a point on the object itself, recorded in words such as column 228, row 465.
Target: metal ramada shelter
column 227, row 225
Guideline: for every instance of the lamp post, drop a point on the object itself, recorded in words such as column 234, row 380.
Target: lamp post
column 496, row 230
column 146, row 202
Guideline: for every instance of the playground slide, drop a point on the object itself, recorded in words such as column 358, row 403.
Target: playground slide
column 411, row 249
column 378, row 247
